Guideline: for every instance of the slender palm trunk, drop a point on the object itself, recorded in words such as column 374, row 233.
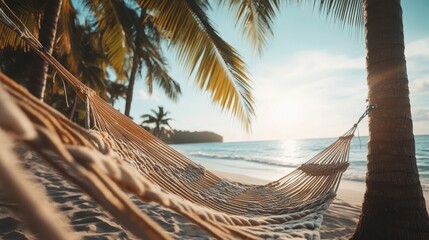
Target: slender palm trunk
column 157, row 129
column 135, row 66
column 46, row 37
column 394, row 206
column 131, row 82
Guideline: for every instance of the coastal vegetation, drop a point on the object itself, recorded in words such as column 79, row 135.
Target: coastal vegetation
column 160, row 120
column 129, row 34
column 184, row 136
column 158, row 124
column 179, row 136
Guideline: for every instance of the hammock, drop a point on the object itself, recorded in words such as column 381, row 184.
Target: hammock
column 117, row 157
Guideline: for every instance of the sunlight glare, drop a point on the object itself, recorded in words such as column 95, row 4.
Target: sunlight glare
column 290, row 150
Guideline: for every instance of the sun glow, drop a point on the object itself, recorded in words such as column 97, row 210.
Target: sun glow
column 290, row 148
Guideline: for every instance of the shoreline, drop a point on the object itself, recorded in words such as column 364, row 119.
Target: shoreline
column 348, row 191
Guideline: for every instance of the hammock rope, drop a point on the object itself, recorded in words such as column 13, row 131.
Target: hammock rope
column 117, row 155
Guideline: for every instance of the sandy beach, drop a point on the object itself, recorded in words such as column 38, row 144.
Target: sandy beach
column 89, row 220
column 342, row 216
column 340, row 220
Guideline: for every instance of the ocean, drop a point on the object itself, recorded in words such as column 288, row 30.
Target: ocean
column 270, row 160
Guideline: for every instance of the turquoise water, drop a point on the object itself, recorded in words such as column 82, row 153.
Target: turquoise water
column 271, row 160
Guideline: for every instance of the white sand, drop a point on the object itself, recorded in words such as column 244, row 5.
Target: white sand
column 341, row 218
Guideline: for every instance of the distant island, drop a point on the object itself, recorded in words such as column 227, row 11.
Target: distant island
column 179, row 136
column 162, row 129
column 194, row 137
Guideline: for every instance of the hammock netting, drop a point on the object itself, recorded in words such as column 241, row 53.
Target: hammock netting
column 117, row 158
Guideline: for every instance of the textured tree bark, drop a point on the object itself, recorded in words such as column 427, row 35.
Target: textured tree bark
column 135, row 66
column 394, row 206
column 131, row 82
column 47, row 33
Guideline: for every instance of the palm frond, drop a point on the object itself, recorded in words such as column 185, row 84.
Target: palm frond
column 148, row 49
column 157, row 72
column 150, row 118
column 218, row 68
column 154, row 112
column 68, row 42
column 348, row 12
column 255, row 18
column 30, row 13
column 112, row 19
column 166, row 120
column 76, row 45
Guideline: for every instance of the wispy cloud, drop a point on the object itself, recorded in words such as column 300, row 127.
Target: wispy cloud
column 421, row 120
column 420, row 85
column 305, row 93
column 421, row 114
column 417, row 48
column 144, row 95
column 417, row 55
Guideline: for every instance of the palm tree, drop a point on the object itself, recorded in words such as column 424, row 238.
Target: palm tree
column 67, row 42
column 159, row 119
column 130, row 41
column 47, row 34
column 217, row 67
column 15, row 59
column 116, row 90
column 394, row 206
column 147, row 49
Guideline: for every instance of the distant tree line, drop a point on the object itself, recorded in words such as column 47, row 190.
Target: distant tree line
column 194, row 137
column 180, row 136
column 158, row 124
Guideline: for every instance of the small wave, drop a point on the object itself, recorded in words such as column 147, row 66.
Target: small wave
column 358, row 163
column 355, row 177
column 260, row 160
column 360, row 177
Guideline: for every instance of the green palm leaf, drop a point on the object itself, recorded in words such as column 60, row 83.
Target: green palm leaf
column 255, row 18
column 112, row 20
column 348, row 12
column 149, row 50
column 30, row 13
column 217, row 66
column 68, row 42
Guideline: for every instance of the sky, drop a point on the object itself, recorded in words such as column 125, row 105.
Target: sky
column 310, row 81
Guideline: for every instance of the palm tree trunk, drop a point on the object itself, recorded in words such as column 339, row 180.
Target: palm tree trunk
column 394, row 206
column 130, row 89
column 136, row 64
column 46, row 37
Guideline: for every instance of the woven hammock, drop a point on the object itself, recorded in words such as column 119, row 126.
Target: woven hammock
column 117, row 157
